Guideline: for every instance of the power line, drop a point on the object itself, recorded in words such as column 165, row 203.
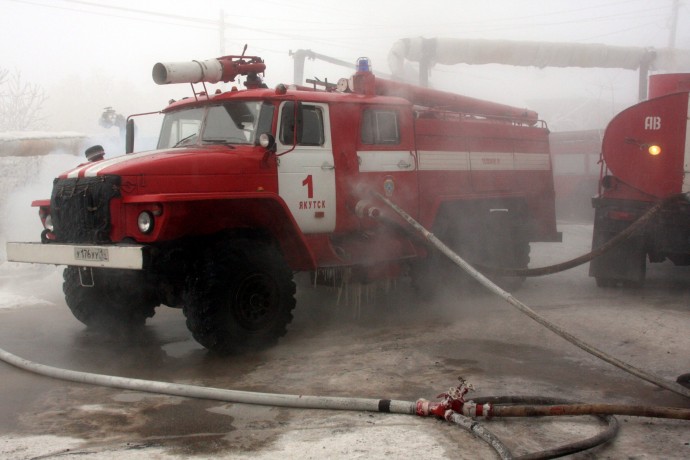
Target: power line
column 154, row 13
column 214, row 23
column 207, row 24
column 78, row 10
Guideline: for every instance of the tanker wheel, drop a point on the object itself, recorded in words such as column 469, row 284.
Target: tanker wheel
column 240, row 298
column 117, row 298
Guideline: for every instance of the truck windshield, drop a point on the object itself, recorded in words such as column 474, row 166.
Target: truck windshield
column 228, row 123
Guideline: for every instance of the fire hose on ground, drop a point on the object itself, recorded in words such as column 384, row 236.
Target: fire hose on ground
column 453, row 407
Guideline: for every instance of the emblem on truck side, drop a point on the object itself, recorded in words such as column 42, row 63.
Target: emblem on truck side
column 389, row 186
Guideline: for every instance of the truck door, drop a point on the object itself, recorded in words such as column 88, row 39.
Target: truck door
column 306, row 174
column 387, row 155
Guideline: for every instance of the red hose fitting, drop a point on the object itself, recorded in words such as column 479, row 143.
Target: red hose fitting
column 425, row 408
column 364, row 208
column 453, row 400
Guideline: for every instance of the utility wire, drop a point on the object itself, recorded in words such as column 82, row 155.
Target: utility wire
column 78, row 10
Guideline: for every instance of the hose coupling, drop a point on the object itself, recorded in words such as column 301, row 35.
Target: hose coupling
column 453, row 400
column 364, row 208
column 425, row 408
column 474, row 410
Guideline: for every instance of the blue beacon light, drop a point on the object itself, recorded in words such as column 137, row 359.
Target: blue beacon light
column 363, row 65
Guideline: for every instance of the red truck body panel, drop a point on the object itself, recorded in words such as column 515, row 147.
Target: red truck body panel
column 661, row 121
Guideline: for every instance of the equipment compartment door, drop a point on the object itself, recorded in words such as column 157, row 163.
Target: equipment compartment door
column 306, row 175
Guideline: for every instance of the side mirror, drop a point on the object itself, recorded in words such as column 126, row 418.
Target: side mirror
column 129, row 136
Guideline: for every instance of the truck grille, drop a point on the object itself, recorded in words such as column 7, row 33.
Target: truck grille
column 80, row 208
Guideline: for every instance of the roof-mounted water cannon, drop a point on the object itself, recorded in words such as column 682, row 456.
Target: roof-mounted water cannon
column 224, row 69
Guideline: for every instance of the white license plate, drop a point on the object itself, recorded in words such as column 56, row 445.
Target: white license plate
column 91, row 254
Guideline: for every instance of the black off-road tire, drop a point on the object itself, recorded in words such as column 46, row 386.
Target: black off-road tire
column 240, row 297
column 117, row 299
column 506, row 247
column 492, row 241
column 605, row 282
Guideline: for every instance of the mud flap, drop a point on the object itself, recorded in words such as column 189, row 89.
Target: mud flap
column 624, row 263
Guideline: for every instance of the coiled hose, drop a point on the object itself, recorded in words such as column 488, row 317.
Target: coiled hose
column 600, row 438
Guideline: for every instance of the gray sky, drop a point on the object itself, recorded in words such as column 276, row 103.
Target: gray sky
column 95, row 53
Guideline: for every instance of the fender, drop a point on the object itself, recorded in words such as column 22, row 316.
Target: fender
column 431, row 215
column 211, row 213
column 531, row 215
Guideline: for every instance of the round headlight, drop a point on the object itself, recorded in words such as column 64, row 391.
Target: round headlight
column 145, row 222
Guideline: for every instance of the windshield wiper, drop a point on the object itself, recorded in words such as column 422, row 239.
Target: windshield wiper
column 178, row 143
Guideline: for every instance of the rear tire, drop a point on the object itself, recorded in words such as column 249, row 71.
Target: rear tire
column 506, row 247
column 492, row 239
column 240, row 298
column 606, row 282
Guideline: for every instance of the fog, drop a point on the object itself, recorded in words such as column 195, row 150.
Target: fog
column 89, row 55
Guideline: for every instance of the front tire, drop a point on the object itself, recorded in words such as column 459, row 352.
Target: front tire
column 240, row 298
column 117, row 298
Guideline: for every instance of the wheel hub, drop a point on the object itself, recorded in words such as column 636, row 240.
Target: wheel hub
column 257, row 300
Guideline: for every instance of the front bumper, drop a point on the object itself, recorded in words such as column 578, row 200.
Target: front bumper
column 131, row 257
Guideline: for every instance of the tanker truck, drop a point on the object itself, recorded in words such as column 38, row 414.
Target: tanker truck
column 645, row 158
column 249, row 186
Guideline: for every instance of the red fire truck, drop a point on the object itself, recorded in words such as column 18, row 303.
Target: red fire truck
column 646, row 152
column 248, row 186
